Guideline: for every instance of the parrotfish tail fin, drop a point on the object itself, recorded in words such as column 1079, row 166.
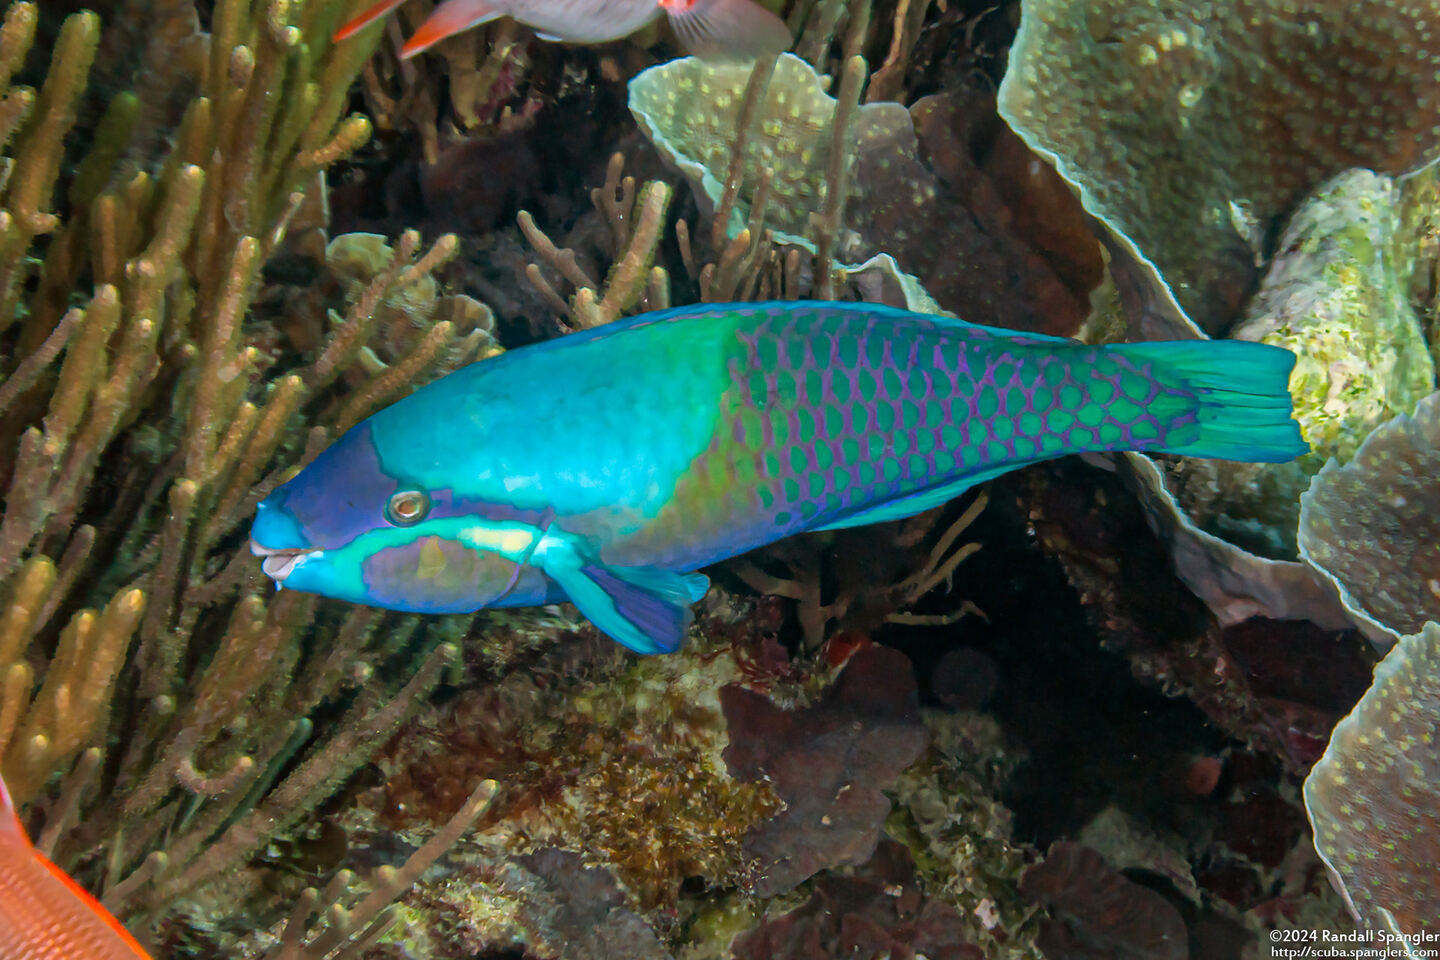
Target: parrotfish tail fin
column 365, row 19
column 728, row 29
column 1244, row 398
column 450, row 18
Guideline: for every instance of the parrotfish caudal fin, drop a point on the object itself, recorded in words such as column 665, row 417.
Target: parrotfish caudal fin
column 1244, row 392
column 450, row 18
column 727, row 29
column 365, row 19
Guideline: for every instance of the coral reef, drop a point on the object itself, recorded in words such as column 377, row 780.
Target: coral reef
column 1371, row 797
column 1098, row 913
column 828, row 763
column 1370, row 526
column 209, row 271
column 1336, row 296
column 1188, row 130
column 779, row 144
column 619, row 760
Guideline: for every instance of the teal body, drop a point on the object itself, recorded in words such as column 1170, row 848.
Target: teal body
column 603, row 466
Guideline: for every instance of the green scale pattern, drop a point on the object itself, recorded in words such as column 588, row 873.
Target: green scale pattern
column 832, row 412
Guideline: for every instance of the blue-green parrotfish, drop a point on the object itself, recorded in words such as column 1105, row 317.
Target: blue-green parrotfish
column 606, row 466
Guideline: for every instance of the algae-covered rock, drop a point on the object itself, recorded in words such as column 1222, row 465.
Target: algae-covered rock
column 1336, row 295
column 1189, row 127
column 1373, row 798
column 828, row 762
column 1372, row 526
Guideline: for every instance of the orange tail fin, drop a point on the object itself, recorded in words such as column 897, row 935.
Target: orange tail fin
column 365, row 19
column 450, row 18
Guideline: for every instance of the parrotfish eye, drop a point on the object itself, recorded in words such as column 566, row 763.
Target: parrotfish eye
column 407, row 507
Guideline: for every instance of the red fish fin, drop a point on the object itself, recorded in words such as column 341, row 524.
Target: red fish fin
column 728, row 29
column 365, row 19
column 13, row 831
column 96, row 907
column 10, row 825
column 450, row 18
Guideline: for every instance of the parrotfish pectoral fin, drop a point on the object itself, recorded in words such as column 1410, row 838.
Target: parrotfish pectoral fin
column 729, row 29
column 450, row 18
column 1244, row 393
column 365, row 19
column 646, row 609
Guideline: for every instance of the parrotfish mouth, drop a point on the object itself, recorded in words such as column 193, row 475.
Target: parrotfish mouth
column 279, row 562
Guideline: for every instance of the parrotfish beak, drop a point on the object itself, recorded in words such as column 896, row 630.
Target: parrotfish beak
column 277, row 537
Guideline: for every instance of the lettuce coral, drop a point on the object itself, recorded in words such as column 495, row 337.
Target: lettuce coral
column 957, row 238
column 1372, row 526
column 1188, row 128
column 1373, row 798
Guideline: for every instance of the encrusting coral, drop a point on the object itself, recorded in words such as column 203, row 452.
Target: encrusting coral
column 1097, row 912
column 827, row 763
column 1188, row 129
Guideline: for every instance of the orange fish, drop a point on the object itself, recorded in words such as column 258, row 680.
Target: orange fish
column 44, row 915
column 714, row 29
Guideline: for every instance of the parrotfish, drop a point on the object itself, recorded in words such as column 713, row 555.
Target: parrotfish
column 44, row 914
column 714, row 29
column 607, row 466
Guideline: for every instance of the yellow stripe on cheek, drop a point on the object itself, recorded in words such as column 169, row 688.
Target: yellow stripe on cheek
column 506, row 542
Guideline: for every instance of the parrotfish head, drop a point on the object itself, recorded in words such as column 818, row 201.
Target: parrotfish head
column 348, row 528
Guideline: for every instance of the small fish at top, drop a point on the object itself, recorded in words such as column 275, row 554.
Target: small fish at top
column 45, row 915
column 713, row 29
column 607, row 466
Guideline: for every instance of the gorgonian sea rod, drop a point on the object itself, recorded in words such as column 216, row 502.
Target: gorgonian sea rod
column 605, row 466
